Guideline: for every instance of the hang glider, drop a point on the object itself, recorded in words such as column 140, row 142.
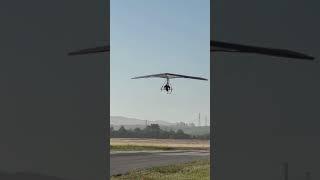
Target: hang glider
column 170, row 76
column 218, row 46
column 167, row 86
column 99, row 49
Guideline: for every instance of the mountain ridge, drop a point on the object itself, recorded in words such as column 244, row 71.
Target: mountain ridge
column 122, row 120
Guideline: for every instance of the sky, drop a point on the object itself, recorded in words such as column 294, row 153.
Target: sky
column 150, row 37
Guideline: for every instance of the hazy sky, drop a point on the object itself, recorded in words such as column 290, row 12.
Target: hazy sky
column 149, row 37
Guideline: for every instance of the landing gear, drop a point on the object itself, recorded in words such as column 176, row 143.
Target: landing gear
column 167, row 87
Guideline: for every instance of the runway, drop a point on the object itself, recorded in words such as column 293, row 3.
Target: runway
column 122, row 162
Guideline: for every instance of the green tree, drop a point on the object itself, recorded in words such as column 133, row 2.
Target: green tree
column 137, row 133
column 122, row 132
column 181, row 135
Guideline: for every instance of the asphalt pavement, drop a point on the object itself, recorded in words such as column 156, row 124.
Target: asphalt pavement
column 122, row 162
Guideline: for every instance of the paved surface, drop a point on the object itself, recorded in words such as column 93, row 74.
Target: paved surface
column 122, row 162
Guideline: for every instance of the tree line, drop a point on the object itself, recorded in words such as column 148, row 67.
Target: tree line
column 153, row 131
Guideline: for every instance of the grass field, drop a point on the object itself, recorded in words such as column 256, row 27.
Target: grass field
column 136, row 144
column 196, row 170
column 140, row 148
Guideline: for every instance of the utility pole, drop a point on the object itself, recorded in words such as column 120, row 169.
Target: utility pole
column 199, row 120
column 308, row 175
column 206, row 121
column 213, row 159
column 284, row 171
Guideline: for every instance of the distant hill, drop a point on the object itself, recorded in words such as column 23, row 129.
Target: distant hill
column 120, row 120
column 132, row 123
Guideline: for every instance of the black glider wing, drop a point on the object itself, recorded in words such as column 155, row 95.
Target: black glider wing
column 91, row 50
column 169, row 76
column 218, row 46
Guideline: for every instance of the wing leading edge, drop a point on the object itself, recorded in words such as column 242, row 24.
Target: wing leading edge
column 91, row 50
column 218, row 46
column 169, row 76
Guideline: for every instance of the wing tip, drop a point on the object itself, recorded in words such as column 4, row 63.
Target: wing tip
column 311, row 58
column 80, row 52
column 72, row 54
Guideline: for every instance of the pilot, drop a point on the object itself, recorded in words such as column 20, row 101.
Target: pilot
column 167, row 87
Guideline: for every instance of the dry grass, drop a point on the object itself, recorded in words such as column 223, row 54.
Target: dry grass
column 161, row 143
column 195, row 170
